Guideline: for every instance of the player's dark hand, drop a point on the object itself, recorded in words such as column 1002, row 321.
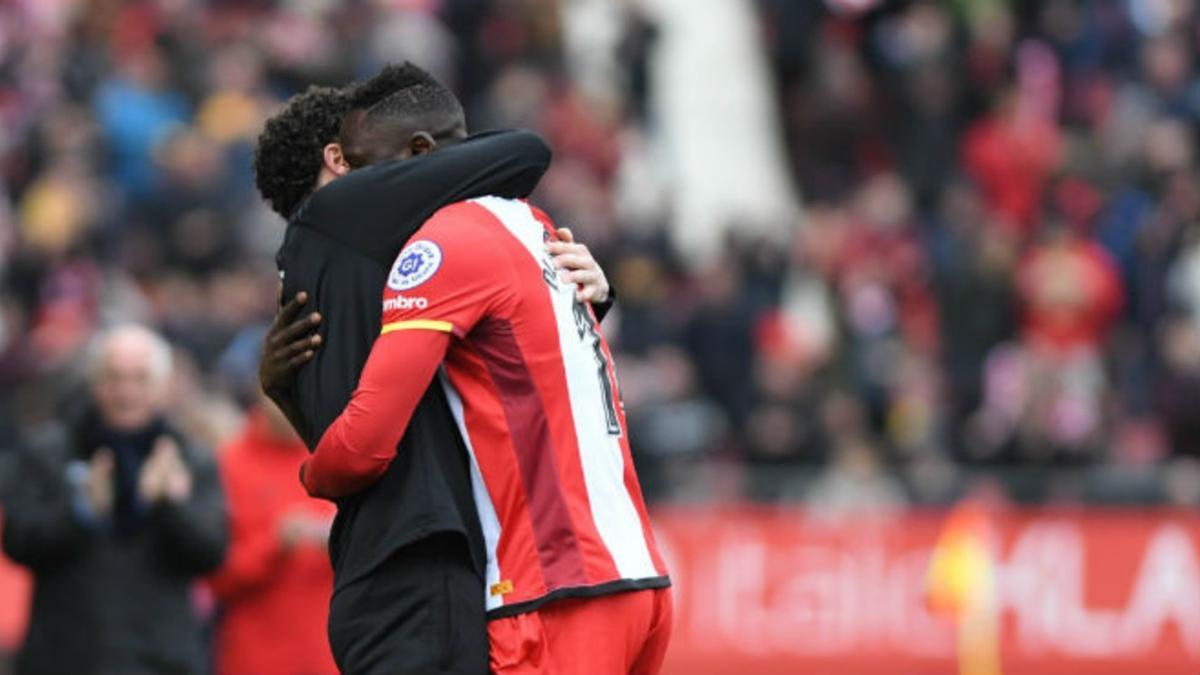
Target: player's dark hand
column 291, row 342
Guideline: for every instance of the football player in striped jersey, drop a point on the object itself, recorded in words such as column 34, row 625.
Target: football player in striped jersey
column 474, row 303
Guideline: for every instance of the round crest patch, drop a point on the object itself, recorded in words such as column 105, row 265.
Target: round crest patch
column 415, row 265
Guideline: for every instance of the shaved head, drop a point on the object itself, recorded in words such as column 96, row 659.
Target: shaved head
column 391, row 110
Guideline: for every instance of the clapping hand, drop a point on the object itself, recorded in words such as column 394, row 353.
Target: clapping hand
column 164, row 475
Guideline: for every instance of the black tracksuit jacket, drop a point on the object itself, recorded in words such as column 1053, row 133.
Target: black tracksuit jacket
column 407, row 552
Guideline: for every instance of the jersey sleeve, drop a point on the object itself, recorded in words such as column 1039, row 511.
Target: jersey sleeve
column 360, row 444
column 443, row 283
column 447, row 278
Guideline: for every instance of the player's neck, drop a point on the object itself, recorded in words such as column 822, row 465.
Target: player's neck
column 325, row 177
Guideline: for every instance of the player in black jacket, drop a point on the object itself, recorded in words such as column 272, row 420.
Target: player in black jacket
column 407, row 553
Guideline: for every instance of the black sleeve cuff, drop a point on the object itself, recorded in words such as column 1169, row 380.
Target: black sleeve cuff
column 603, row 308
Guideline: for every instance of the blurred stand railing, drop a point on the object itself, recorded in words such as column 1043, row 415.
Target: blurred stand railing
column 709, row 480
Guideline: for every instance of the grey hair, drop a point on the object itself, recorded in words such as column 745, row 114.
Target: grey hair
column 161, row 358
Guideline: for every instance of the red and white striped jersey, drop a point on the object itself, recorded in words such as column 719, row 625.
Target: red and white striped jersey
column 530, row 381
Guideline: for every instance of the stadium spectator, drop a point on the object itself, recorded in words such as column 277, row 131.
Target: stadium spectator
column 1011, row 154
column 136, row 110
column 927, row 143
column 854, row 484
column 275, row 584
column 1070, row 291
column 1180, row 387
column 115, row 519
column 127, row 190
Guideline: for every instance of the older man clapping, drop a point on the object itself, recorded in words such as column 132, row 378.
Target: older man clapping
column 115, row 521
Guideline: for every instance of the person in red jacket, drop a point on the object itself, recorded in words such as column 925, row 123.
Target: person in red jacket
column 275, row 584
column 1070, row 291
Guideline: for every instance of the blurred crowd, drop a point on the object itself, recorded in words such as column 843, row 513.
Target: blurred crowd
column 993, row 274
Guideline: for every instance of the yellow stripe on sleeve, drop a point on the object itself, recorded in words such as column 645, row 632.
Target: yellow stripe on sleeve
column 418, row 324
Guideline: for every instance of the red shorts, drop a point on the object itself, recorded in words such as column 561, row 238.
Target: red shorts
column 607, row 635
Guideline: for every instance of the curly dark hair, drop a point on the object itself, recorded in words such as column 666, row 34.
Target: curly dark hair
column 288, row 155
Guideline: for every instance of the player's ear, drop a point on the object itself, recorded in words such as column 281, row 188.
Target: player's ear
column 335, row 160
column 421, row 143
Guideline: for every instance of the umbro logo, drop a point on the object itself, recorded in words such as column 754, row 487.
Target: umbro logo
column 402, row 302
